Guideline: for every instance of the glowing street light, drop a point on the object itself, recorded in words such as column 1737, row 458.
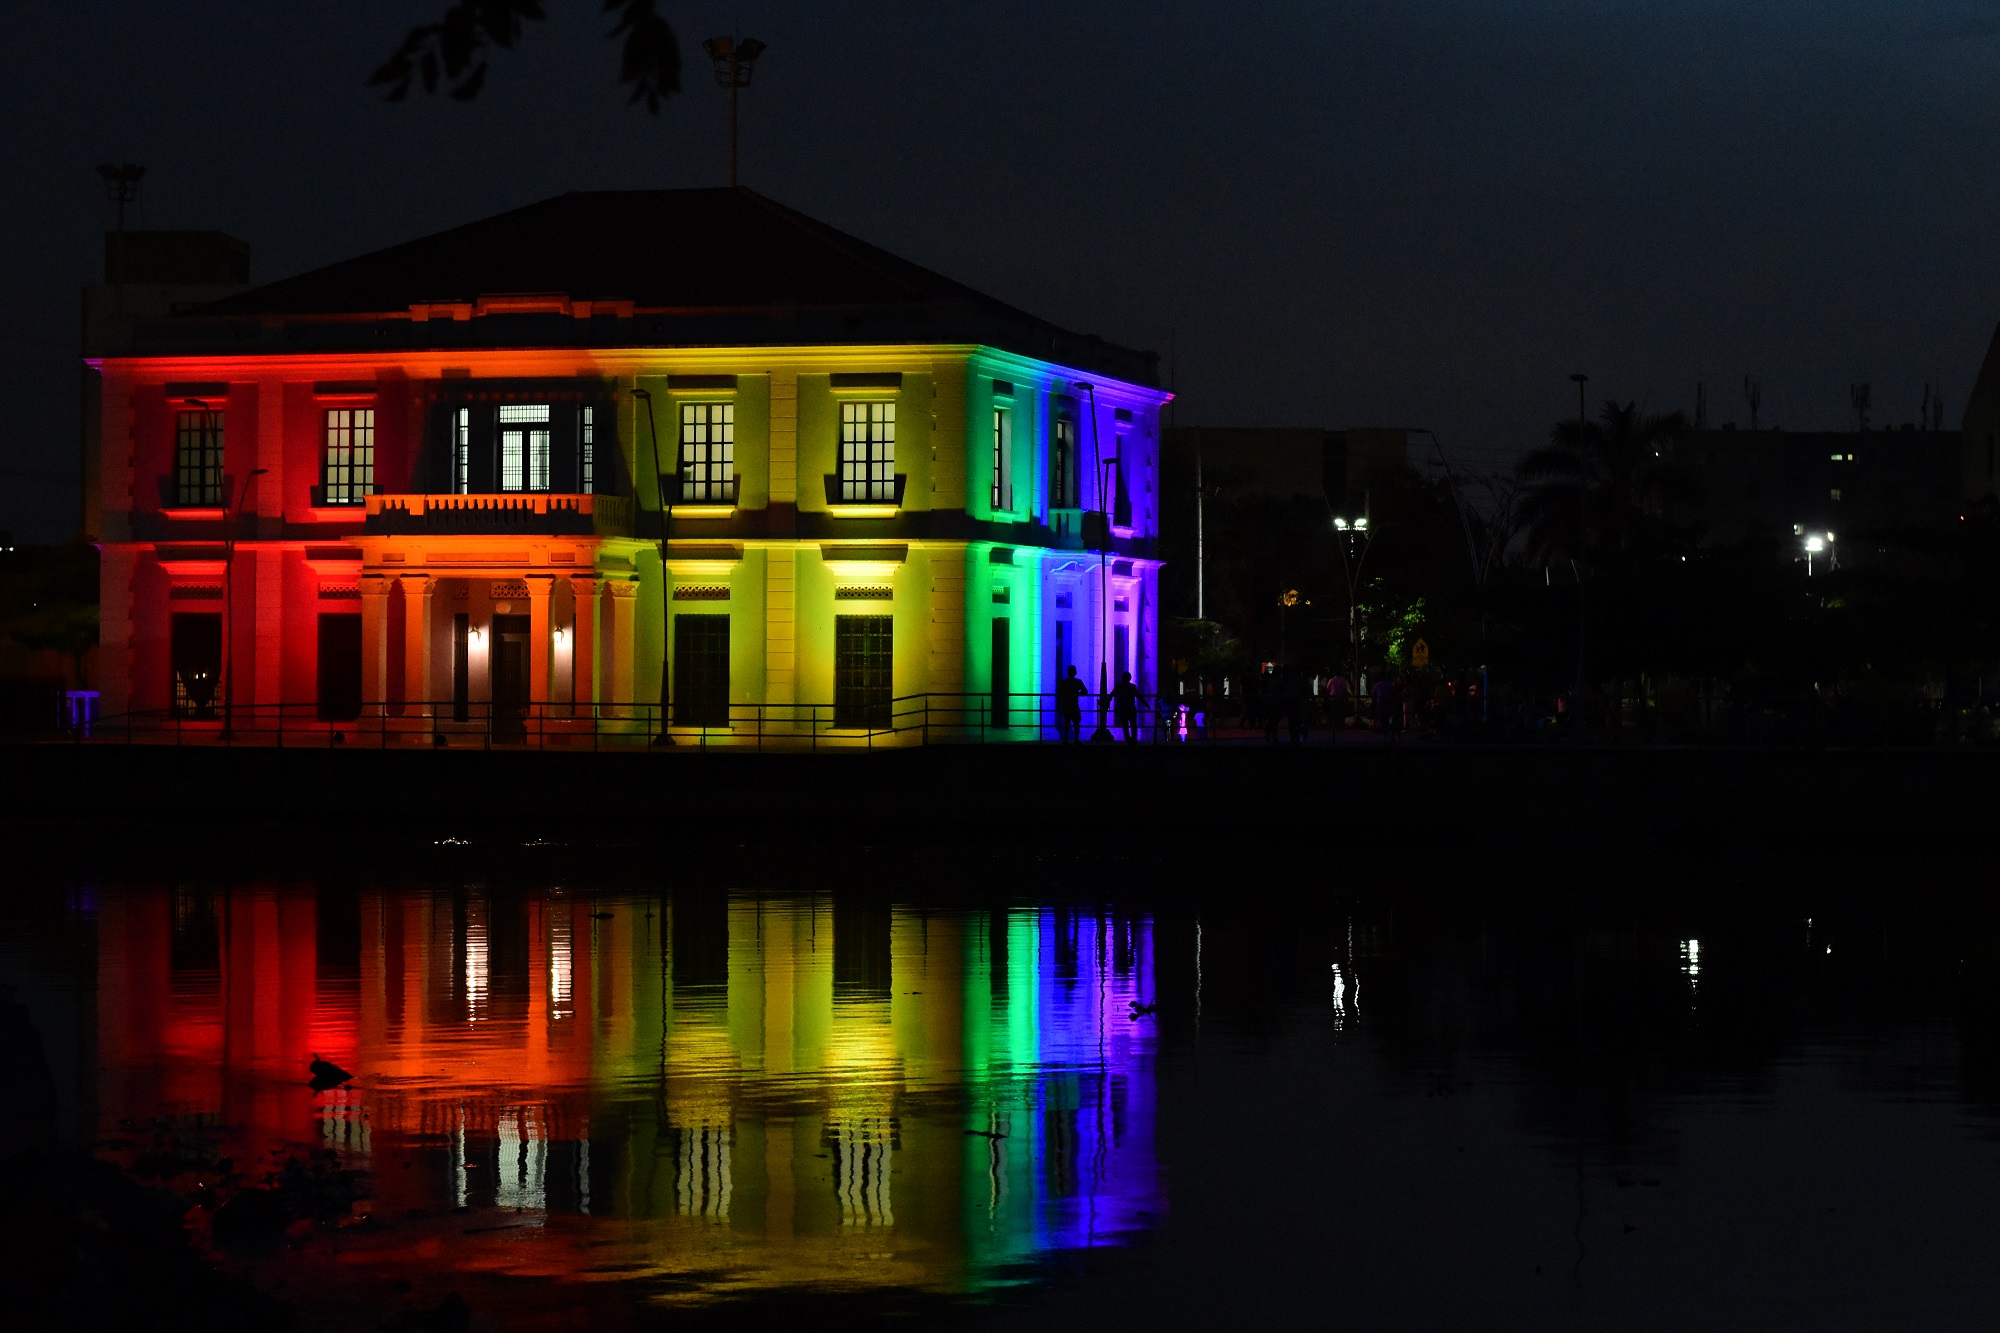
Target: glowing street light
column 735, row 60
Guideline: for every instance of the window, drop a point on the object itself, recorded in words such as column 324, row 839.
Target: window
column 461, row 451
column 701, row 671
column 198, row 458
column 708, row 453
column 1121, row 501
column 461, row 666
column 347, row 474
column 1836, row 492
column 524, row 451
column 1063, row 492
column 863, row 670
column 868, row 453
column 196, row 651
column 586, row 458
column 1003, row 460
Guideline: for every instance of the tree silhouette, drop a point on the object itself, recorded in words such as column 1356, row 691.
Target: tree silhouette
column 454, row 51
column 1598, row 495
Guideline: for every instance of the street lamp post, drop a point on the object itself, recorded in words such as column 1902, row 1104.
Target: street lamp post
column 232, row 518
column 668, row 489
column 1582, row 499
column 1101, row 736
column 1816, row 543
column 1355, row 534
column 735, row 60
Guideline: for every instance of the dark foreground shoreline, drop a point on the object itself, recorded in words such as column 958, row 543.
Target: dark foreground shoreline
column 114, row 807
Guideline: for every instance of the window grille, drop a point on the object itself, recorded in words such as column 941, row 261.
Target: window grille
column 863, row 670
column 587, row 449
column 708, row 453
column 1003, row 459
column 701, row 670
column 868, row 452
column 1062, row 466
column 347, row 473
column 523, row 413
column 198, row 458
column 461, row 451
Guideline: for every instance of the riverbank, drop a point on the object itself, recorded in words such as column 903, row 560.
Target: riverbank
column 116, row 805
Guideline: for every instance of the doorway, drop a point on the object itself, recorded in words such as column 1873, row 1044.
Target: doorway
column 1002, row 672
column 510, row 678
column 339, row 666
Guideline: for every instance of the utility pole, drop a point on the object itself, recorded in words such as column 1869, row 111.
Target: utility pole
column 121, row 186
column 735, row 60
column 668, row 490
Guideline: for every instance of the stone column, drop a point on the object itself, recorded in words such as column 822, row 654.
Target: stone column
column 540, row 641
column 618, row 653
column 270, row 615
column 374, row 644
column 417, row 691
column 583, row 644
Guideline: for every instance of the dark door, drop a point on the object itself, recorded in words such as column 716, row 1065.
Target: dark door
column 339, row 666
column 1003, row 678
column 701, row 671
column 510, row 677
column 863, row 671
column 197, row 663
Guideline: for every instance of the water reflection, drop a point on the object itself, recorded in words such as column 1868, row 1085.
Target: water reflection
column 755, row 1092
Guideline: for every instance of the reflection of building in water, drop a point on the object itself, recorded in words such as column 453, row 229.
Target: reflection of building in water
column 781, row 1076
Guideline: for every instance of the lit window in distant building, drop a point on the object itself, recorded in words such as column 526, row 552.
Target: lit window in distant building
column 708, row 453
column 868, row 452
column 524, row 450
column 1836, row 492
column 198, row 458
column 347, row 475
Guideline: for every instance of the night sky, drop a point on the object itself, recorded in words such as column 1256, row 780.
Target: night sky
column 1411, row 212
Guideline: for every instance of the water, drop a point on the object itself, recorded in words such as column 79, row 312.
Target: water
column 1379, row 1108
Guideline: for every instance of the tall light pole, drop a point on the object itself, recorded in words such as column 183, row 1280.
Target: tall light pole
column 1354, row 535
column 232, row 519
column 668, row 490
column 121, row 186
column 1103, row 525
column 735, row 60
column 1582, row 508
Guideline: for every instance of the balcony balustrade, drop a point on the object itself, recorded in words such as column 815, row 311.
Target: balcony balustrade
column 512, row 511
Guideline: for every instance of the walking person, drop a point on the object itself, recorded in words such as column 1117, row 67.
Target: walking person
column 1069, row 708
column 1125, row 707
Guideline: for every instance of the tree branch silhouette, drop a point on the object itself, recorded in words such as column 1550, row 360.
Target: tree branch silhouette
column 455, row 52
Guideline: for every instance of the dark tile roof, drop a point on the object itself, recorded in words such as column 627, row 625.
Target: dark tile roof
column 704, row 259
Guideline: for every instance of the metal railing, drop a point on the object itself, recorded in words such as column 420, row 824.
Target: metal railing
column 908, row 720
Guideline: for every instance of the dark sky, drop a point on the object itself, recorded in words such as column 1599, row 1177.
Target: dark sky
column 1399, row 212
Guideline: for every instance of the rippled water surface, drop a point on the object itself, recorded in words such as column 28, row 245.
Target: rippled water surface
column 1156, row 1106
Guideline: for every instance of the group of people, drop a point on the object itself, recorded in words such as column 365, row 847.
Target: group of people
column 1069, row 707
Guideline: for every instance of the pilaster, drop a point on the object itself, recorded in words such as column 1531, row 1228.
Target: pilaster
column 623, row 608
column 784, row 436
column 374, row 644
column 540, row 641
column 583, row 641
column 270, row 613
column 417, row 692
column 780, row 643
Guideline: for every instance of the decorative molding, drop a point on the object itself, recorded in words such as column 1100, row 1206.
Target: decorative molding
column 864, row 593
column 702, row 592
column 340, row 592
column 195, row 592
column 508, row 589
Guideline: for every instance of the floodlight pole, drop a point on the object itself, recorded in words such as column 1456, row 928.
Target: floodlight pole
column 667, row 493
column 734, row 60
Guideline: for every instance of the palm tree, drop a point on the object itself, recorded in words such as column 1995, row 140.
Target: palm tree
column 1598, row 494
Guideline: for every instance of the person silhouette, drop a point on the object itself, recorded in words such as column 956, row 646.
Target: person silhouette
column 1069, row 708
column 1125, row 707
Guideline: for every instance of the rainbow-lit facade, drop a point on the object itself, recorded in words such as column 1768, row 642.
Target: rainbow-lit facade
column 454, row 510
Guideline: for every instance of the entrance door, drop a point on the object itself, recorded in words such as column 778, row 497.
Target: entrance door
column 510, row 677
column 1002, row 674
column 339, row 666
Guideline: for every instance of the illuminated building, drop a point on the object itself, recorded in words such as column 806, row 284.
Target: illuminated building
column 424, row 485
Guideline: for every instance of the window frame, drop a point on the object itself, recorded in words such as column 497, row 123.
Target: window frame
column 347, row 469
column 867, row 451
column 536, row 445
column 200, row 445
column 1003, row 459
column 1064, row 464
column 707, row 479
column 864, row 671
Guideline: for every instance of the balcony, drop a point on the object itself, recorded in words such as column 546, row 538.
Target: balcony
column 541, row 513
column 871, row 496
